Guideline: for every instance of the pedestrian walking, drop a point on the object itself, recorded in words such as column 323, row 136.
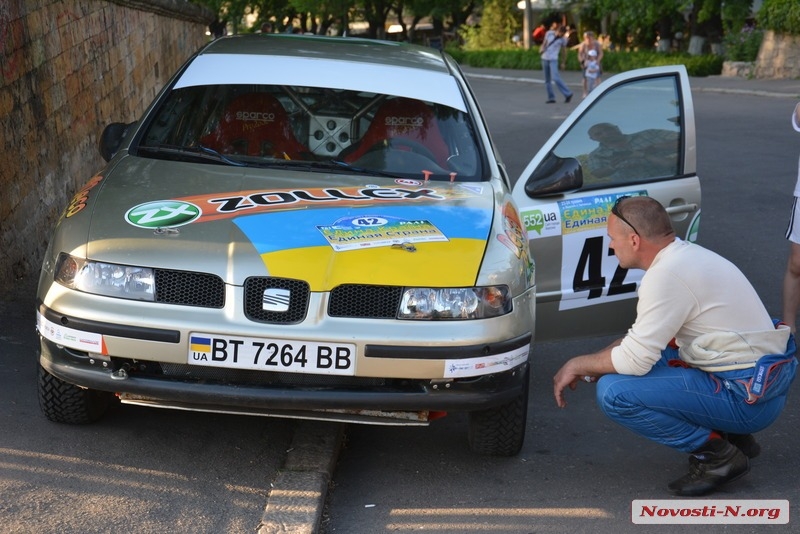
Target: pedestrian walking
column 554, row 47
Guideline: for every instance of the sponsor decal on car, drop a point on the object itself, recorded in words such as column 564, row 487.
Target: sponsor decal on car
column 78, row 201
column 257, row 116
column 486, row 365
column 216, row 206
column 544, row 221
column 70, row 337
column 163, row 214
column 513, row 236
column 366, row 231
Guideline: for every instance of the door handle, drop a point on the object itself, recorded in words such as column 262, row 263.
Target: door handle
column 682, row 208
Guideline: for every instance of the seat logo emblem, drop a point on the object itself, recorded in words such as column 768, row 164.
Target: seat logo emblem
column 276, row 300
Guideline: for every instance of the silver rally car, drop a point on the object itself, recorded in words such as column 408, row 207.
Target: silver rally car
column 321, row 228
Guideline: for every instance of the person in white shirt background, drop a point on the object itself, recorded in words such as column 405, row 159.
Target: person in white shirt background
column 791, row 279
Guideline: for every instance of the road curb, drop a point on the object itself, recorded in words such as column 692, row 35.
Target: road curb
column 695, row 87
column 297, row 496
column 750, row 92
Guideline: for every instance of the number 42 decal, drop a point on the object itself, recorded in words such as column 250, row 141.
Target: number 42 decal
column 588, row 263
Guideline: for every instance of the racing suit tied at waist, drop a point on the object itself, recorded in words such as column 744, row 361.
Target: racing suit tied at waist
column 728, row 351
column 725, row 353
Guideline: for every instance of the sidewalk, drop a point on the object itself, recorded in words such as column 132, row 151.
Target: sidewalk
column 784, row 88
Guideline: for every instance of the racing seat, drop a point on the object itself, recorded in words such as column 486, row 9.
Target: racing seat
column 255, row 124
column 404, row 124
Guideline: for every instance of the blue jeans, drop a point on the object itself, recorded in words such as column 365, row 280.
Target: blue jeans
column 550, row 68
column 679, row 407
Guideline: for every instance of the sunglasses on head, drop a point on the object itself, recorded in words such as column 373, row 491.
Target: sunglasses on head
column 616, row 210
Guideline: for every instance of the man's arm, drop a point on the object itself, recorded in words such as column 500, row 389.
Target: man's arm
column 591, row 366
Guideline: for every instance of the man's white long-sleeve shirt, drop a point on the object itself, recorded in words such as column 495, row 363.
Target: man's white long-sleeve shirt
column 690, row 292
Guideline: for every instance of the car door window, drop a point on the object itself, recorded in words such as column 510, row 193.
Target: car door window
column 633, row 137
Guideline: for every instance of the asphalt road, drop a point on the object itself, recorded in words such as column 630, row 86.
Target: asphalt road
column 153, row 471
column 578, row 472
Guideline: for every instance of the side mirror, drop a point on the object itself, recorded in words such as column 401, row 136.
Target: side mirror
column 111, row 139
column 554, row 176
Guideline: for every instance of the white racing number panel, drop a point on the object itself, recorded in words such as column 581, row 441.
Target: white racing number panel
column 277, row 355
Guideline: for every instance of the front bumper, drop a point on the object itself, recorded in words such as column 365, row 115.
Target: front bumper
column 279, row 394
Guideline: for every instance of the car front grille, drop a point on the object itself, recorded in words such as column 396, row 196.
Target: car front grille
column 189, row 289
column 364, row 301
column 277, row 300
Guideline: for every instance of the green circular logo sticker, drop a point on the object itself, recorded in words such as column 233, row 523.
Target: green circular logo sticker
column 162, row 214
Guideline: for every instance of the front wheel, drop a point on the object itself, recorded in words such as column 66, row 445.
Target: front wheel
column 62, row 402
column 500, row 431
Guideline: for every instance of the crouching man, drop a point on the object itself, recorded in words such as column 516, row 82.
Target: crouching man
column 703, row 367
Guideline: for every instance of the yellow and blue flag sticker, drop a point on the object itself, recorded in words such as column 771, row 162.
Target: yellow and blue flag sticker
column 329, row 247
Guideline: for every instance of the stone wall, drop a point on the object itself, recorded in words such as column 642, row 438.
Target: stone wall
column 68, row 68
column 778, row 57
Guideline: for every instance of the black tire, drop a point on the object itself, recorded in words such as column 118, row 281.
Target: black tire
column 500, row 431
column 62, row 402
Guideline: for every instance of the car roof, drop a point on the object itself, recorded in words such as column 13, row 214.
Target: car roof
column 382, row 67
column 370, row 51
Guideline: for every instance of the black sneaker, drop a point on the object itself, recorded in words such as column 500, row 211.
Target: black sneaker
column 550, row 102
column 745, row 443
column 567, row 99
column 716, row 463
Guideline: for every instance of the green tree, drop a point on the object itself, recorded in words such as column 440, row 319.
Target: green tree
column 499, row 23
column 445, row 14
column 319, row 16
column 780, row 16
column 638, row 23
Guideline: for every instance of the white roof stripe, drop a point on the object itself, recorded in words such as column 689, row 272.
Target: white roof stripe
column 231, row 69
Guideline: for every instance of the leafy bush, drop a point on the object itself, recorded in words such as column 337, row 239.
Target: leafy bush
column 612, row 61
column 780, row 16
column 497, row 59
column 744, row 44
column 705, row 65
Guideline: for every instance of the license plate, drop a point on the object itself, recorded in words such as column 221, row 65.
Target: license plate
column 278, row 355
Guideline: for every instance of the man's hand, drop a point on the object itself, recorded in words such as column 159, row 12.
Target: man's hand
column 588, row 368
column 565, row 377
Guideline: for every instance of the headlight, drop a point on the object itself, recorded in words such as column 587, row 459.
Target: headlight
column 426, row 303
column 109, row 279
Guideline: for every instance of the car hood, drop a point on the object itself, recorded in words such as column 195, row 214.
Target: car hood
column 326, row 229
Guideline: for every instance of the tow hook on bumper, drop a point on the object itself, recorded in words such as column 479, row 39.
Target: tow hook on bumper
column 442, row 383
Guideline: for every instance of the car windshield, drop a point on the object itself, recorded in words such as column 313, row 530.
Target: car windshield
column 317, row 129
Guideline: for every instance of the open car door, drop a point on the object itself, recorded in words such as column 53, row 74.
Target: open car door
column 633, row 135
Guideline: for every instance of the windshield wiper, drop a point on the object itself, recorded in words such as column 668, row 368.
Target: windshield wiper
column 196, row 151
column 337, row 164
column 329, row 165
